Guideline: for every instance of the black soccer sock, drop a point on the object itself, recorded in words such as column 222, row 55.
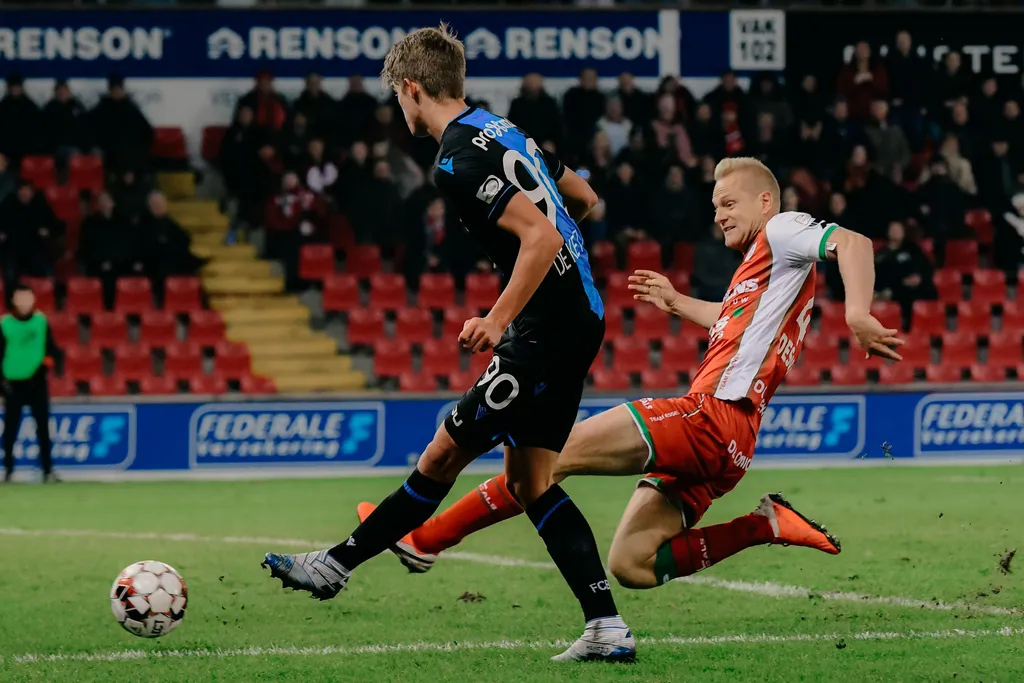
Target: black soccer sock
column 571, row 544
column 404, row 510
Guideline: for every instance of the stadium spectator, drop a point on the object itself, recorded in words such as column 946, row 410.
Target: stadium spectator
column 435, row 243
column 668, row 136
column 942, row 206
column 862, row 81
column 1013, row 125
column 960, row 169
column 841, row 133
column 599, row 161
column 705, row 134
column 704, row 189
column 8, row 178
column 636, row 104
column 909, row 75
column 536, row 112
column 714, row 265
column 987, row 104
column 889, row 146
column 729, row 96
column 952, row 84
column 594, row 227
column 131, row 194
column 355, row 111
column 355, row 173
column 685, row 102
column 615, row 125
column 767, row 147
column 120, row 128
column 110, row 246
column 20, row 130
column 769, row 98
column 386, row 125
column 971, row 139
column 790, row 199
column 808, row 102
column 997, row 174
column 65, row 122
column 377, row 214
column 735, row 139
column 1008, row 243
column 294, row 141
column 809, row 147
column 583, row 105
column 240, row 162
column 673, row 213
column 903, row 272
column 319, row 108
column 295, row 216
column 406, row 174
column 321, row 175
column 168, row 247
column 626, row 210
column 269, row 107
column 28, row 229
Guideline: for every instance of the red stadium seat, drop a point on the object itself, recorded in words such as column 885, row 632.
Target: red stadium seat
column 643, row 255
column 39, row 170
column 819, row 358
column 437, row 290
column 479, row 362
column 602, row 258
column 363, row 260
column 888, row 313
column 158, row 328
column 980, row 221
column 680, row 281
column 43, row 288
column 482, row 290
column 833, row 319
column 66, row 204
column 414, row 325
column 962, row 254
column 169, row 143
column 803, row 376
column 365, row 326
column 134, row 295
column 440, row 357
column 657, row 380
column 1013, row 313
column 455, row 318
column 600, row 361
column 927, row 245
column 678, row 354
column 65, row 329
column 387, row 291
column 959, row 349
column 943, row 374
column 391, row 357
column 462, row 380
column 63, row 387
column 158, row 386
column 232, row 359
column 85, row 171
column 611, row 379
column 213, row 385
column 1004, row 349
column 107, row 386
column 85, row 296
column 213, row 136
column 630, row 354
column 820, row 342
column 848, row 375
column 617, row 293
column 949, row 283
column 341, row 292
column 928, row 318
column 206, row 328
column 133, row 361
column 682, row 257
column 418, row 382
column 989, row 287
column 988, row 373
column 650, row 323
column 255, row 385
column 896, row 373
column 82, row 362
column 182, row 294
column 916, row 350
column 974, row 317
column 183, row 359
column 108, row 330
column 613, row 321
column 316, row 262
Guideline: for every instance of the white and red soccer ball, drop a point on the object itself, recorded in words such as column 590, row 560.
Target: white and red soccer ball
column 149, row 598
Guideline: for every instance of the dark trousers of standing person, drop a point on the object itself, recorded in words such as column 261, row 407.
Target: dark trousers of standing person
column 35, row 394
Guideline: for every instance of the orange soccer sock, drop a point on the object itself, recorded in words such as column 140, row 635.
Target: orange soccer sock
column 697, row 549
column 490, row 503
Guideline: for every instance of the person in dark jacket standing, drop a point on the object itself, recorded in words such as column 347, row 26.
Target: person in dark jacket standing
column 27, row 351
column 120, row 128
column 19, row 121
column 64, row 122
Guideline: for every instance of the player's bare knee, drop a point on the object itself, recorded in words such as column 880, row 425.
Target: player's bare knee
column 442, row 459
column 631, row 573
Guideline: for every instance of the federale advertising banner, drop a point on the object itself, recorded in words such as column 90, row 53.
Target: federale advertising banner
column 361, row 434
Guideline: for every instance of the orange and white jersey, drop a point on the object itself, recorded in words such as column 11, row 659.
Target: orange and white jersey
column 766, row 312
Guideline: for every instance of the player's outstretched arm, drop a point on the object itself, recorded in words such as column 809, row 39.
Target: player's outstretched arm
column 577, row 194
column 655, row 288
column 856, row 258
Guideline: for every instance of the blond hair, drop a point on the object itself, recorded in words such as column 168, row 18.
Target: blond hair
column 432, row 57
column 758, row 171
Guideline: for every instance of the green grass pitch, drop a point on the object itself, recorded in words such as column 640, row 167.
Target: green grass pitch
column 917, row 594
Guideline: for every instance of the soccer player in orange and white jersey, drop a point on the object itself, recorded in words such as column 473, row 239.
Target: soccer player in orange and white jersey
column 695, row 448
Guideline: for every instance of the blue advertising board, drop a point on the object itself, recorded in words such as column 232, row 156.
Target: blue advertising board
column 235, row 43
column 392, row 432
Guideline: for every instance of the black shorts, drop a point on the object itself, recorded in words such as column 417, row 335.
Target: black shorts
column 529, row 396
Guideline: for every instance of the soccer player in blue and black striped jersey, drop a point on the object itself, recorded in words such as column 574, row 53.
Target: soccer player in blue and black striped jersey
column 521, row 204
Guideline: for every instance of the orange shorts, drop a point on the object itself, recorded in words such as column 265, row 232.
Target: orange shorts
column 699, row 448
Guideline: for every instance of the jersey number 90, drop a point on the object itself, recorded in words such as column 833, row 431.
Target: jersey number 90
column 534, row 165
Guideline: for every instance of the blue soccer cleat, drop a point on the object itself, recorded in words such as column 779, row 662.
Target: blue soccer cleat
column 318, row 572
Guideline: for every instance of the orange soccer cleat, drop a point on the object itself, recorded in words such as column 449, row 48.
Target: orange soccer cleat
column 414, row 559
column 792, row 528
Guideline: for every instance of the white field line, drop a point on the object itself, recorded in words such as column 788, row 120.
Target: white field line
column 398, row 648
column 766, row 588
